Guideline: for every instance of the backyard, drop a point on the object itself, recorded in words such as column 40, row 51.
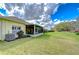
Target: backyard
column 50, row 43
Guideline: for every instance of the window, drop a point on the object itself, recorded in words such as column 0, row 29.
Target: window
column 13, row 28
column 19, row 28
column 16, row 28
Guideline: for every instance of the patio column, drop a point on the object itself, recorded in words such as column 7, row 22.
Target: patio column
column 34, row 29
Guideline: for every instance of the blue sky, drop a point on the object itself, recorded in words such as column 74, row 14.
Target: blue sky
column 67, row 11
column 3, row 11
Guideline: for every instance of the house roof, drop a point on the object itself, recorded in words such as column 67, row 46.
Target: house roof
column 15, row 19
column 33, row 23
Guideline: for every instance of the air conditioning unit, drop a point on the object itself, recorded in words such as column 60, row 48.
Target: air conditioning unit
column 10, row 37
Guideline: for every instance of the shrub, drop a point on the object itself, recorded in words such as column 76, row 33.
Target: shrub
column 20, row 34
column 77, row 33
column 53, row 30
column 77, row 30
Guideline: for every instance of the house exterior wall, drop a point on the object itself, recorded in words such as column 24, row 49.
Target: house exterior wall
column 6, row 27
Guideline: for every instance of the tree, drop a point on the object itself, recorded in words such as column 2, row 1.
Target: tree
column 65, row 26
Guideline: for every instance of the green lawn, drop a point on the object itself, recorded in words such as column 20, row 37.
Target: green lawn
column 49, row 43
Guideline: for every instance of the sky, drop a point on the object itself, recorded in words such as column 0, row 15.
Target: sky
column 62, row 12
column 66, row 11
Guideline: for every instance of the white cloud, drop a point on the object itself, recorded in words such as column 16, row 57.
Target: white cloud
column 2, row 5
column 16, row 9
column 2, row 14
column 55, row 19
column 58, row 21
column 11, row 12
column 78, row 9
column 45, row 19
column 56, row 9
column 45, row 8
column 72, row 20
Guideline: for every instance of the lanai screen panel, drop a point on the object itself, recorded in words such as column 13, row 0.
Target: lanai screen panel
column 30, row 29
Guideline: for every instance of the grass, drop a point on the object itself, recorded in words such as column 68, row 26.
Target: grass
column 51, row 43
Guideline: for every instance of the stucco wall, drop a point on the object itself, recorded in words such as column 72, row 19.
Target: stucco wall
column 7, row 27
